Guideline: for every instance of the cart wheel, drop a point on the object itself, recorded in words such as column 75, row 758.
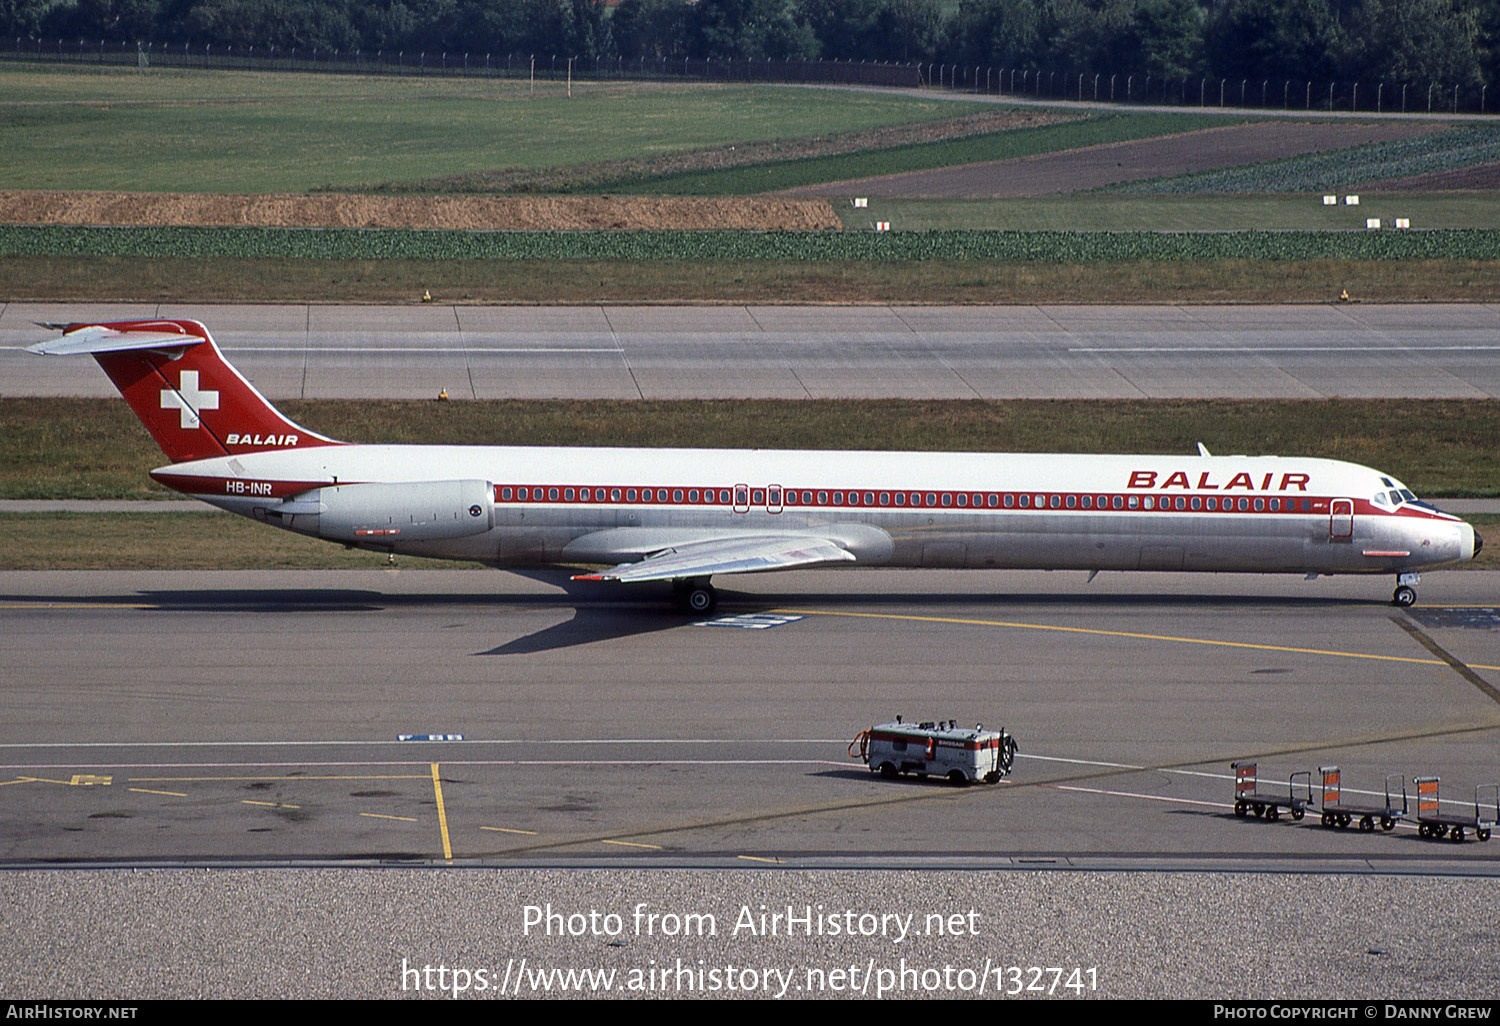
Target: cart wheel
column 1456, row 835
column 1439, row 830
column 1258, row 809
column 1387, row 823
column 1328, row 819
column 1483, row 833
column 1240, row 808
column 1366, row 825
column 1345, row 819
column 957, row 778
column 1298, row 812
column 888, row 771
column 1272, row 812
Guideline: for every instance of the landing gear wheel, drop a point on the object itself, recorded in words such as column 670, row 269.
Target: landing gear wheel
column 698, row 598
column 1404, row 596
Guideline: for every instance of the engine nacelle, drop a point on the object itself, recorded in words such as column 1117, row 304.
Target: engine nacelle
column 415, row 511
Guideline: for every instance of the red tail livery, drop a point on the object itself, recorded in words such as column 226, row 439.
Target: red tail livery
column 192, row 401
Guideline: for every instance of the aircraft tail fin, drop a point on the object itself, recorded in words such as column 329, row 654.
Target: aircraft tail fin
column 191, row 399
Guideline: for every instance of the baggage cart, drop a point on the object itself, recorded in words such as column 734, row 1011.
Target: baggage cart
column 1434, row 823
column 1339, row 813
column 1249, row 799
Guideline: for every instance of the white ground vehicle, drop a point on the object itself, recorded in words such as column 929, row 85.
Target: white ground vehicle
column 962, row 754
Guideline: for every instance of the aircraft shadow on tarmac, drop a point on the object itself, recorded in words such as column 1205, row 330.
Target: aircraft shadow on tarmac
column 603, row 612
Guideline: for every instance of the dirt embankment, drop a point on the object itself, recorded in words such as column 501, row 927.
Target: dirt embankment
column 466, row 213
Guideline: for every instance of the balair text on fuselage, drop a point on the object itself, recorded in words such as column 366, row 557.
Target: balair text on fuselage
column 1179, row 479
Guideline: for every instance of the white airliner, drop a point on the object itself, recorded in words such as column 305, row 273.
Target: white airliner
column 684, row 515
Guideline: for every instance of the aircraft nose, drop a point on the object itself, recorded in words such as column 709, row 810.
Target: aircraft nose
column 1478, row 543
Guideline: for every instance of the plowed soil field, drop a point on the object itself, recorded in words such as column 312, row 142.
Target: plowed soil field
column 467, row 213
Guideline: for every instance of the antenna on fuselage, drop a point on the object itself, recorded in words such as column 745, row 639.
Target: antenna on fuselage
column 1203, row 450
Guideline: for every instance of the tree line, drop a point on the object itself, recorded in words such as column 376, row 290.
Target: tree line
column 1453, row 43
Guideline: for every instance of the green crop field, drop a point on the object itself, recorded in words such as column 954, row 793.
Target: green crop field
column 1340, row 169
column 1098, row 212
column 168, row 130
column 1093, row 130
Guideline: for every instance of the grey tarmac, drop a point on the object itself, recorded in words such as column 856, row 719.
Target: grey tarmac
column 178, row 737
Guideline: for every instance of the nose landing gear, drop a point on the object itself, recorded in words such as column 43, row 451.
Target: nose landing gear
column 1406, row 590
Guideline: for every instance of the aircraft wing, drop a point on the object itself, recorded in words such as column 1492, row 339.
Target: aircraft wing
column 727, row 556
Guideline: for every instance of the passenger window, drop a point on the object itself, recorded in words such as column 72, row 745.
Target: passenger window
column 505, row 494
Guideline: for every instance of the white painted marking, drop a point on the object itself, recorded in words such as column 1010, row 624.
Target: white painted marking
column 750, row 621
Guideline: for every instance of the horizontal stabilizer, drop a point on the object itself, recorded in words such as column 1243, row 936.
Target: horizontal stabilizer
column 99, row 339
column 727, row 556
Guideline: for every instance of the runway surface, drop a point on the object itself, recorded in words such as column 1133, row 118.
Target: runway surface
column 243, row 720
column 1051, row 351
column 207, row 717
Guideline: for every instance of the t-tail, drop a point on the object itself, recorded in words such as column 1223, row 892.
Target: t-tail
column 192, row 401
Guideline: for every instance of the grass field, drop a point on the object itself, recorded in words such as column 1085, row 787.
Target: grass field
column 253, row 132
column 1089, row 212
column 95, row 449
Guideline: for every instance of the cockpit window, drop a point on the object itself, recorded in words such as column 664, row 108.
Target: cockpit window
column 1407, row 495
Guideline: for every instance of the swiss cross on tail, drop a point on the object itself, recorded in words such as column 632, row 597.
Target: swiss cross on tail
column 192, row 401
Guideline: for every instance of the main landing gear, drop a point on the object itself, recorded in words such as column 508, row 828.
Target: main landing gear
column 1406, row 590
column 696, row 595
